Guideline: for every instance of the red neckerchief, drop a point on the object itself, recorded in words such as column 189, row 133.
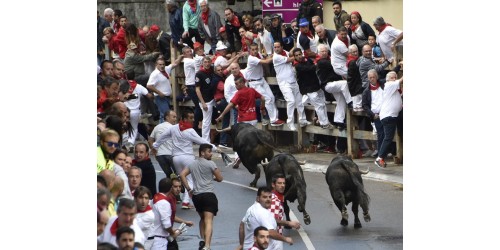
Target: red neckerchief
column 382, row 27
column 345, row 41
column 258, row 55
column 145, row 210
column 164, row 73
column 208, row 71
column 318, row 57
column 295, row 62
column 255, row 246
column 235, row 21
column 308, row 34
column 185, row 125
column 204, row 16
column 133, row 84
column 281, row 197
column 283, row 53
column 192, row 4
column 353, row 27
column 134, row 161
column 114, row 227
column 374, row 87
column 170, row 199
column 350, row 58
column 158, row 197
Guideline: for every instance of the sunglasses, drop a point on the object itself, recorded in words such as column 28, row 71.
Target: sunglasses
column 113, row 144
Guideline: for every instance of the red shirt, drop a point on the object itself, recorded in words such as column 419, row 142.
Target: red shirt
column 245, row 99
column 219, row 92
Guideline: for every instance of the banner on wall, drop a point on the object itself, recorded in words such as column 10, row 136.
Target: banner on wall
column 287, row 9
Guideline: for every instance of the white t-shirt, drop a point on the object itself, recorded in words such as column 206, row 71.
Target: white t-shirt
column 182, row 141
column 160, row 82
column 284, row 70
column 385, row 39
column 267, row 41
column 220, row 60
column 229, row 88
column 166, row 147
column 255, row 216
column 377, row 97
column 337, row 50
column 135, row 104
column 254, row 70
column 391, row 100
column 145, row 221
column 189, row 70
column 198, row 61
column 162, row 214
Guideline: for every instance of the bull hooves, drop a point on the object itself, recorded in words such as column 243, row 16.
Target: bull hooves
column 307, row 222
column 357, row 225
column 344, row 222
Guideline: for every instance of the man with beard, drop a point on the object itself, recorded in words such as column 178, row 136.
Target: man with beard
column 260, row 238
column 339, row 15
column 125, row 238
column 143, row 161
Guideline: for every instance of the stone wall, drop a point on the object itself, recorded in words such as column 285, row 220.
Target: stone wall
column 148, row 12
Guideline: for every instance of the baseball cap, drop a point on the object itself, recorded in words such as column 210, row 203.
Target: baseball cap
column 222, row 29
column 303, row 22
column 154, row 28
column 197, row 45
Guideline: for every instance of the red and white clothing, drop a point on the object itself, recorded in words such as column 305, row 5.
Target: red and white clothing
column 377, row 98
column 220, row 60
column 160, row 81
column 164, row 215
column 340, row 91
column 109, row 233
column 145, row 220
column 285, row 74
column 254, row 247
column 245, row 100
column 255, row 77
column 267, row 41
column 339, row 52
column 277, row 208
column 255, row 216
column 198, row 61
column 229, row 88
column 385, row 40
column 391, row 100
column 135, row 110
column 190, row 70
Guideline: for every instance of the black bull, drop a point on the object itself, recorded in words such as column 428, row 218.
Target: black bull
column 252, row 145
column 295, row 188
column 346, row 185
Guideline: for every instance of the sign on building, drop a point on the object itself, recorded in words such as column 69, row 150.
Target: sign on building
column 287, row 9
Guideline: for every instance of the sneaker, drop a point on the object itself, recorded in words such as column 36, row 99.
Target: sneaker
column 380, row 163
column 186, row 205
column 223, row 146
column 327, row 126
column 349, row 105
column 305, row 123
column 340, row 126
column 292, row 127
column 201, row 244
column 265, row 122
column 277, row 123
column 367, row 153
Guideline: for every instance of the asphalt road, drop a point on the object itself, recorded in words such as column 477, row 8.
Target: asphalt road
column 384, row 231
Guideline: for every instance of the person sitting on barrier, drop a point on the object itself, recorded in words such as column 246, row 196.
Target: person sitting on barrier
column 205, row 90
column 333, row 83
column 309, row 86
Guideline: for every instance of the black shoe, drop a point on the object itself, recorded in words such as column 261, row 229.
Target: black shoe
column 201, row 244
column 349, row 105
column 340, row 126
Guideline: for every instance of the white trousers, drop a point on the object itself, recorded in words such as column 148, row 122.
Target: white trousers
column 159, row 244
column 207, row 119
column 134, row 121
column 148, row 244
column 263, row 88
column 357, row 101
column 293, row 100
column 340, row 91
column 317, row 99
column 180, row 163
column 340, row 69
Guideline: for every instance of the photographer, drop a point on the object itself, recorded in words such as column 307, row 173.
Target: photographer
column 289, row 35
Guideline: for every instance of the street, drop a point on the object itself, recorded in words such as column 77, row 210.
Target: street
column 384, row 231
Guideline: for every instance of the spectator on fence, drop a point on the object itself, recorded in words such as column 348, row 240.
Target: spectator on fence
column 264, row 36
column 190, row 72
column 109, row 38
column 205, row 90
column 325, row 36
column 190, row 13
column 340, row 16
column 359, row 30
column 247, row 22
column 339, row 51
column 366, row 63
column 388, row 37
column 175, row 22
column 307, row 41
column 209, row 24
column 233, row 23
column 117, row 14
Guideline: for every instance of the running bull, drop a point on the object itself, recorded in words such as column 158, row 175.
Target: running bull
column 295, row 188
column 346, row 185
column 252, row 145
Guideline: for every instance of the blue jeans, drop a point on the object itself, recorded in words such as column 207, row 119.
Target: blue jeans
column 225, row 120
column 163, row 105
column 389, row 124
column 380, row 133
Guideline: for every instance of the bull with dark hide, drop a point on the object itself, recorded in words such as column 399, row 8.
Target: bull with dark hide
column 346, row 185
column 252, row 145
column 295, row 188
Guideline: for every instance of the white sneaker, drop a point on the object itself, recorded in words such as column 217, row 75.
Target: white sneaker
column 292, row 127
column 305, row 123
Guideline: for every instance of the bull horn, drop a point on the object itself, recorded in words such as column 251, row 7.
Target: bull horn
column 365, row 172
column 264, row 162
column 302, row 162
column 223, row 130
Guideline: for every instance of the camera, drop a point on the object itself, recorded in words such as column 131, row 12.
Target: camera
column 132, row 96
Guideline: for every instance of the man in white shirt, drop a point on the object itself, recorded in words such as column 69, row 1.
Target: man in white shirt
column 255, row 76
column 264, row 36
column 133, row 97
column 388, row 37
column 190, row 72
column 220, row 56
column 259, row 215
column 340, row 51
column 126, row 218
column 144, row 217
column 389, row 111
column 285, row 74
column 159, row 84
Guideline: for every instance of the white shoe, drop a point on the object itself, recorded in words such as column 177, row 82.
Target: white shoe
column 292, row 127
column 305, row 123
